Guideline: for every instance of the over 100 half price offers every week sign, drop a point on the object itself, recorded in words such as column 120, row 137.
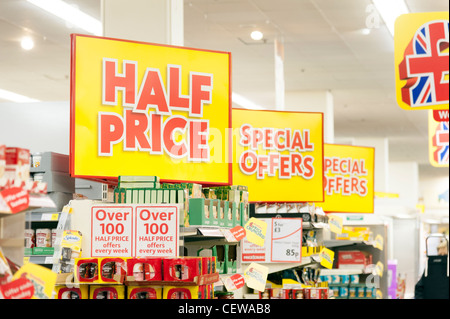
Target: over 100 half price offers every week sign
column 142, row 109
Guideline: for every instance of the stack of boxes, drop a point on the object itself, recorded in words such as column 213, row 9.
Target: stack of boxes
column 144, row 278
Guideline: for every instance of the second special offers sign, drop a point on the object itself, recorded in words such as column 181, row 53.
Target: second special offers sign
column 278, row 155
column 146, row 109
column 349, row 179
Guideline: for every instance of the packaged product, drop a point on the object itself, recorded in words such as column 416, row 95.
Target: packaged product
column 145, row 269
column 182, row 292
column 107, row 292
column 64, row 292
column 112, row 269
column 182, row 269
column 17, row 164
column 144, row 292
column 86, row 270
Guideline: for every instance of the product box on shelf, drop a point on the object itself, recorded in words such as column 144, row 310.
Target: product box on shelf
column 86, row 270
column 182, row 268
column 353, row 259
column 145, row 269
column 107, row 292
column 112, row 269
column 64, row 292
column 183, row 292
column 144, row 292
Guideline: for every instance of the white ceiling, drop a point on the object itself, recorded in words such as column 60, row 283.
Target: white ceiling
column 324, row 50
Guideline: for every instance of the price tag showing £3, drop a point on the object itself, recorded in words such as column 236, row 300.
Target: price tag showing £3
column 286, row 244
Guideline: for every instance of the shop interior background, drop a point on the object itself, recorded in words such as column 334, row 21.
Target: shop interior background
column 336, row 53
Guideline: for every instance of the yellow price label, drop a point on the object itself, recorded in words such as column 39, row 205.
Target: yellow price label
column 326, row 258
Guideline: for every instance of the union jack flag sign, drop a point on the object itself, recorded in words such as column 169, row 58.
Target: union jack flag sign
column 422, row 61
column 438, row 142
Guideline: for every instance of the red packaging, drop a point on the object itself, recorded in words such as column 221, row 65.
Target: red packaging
column 316, row 293
column 69, row 293
column 353, row 259
column 145, row 268
column 182, row 269
column 206, row 265
column 86, row 269
column 113, row 269
column 17, row 164
column 143, row 293
column 105, row 293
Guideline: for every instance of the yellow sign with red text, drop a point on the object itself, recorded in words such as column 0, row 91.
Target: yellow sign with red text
column 421, row 60
column 278, row 155
column 349, row 179
column 147, row 109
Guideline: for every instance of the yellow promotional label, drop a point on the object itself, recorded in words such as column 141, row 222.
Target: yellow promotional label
column 379, row 269
column 378, row 242
column 336, row 223
column 438, row 152
column 278, row 155
column 42, row 279
column 349, row 179
column 255, row 230
column 422, row 61
column 326, row 258
column 146, row 109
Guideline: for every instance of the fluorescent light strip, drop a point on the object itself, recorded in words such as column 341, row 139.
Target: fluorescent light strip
column 70, row 14
column 14, row 97
column 390, row 10
column 244, row 102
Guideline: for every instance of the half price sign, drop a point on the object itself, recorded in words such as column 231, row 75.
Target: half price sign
column 134, row 230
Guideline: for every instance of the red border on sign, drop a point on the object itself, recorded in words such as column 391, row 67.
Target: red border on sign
column 113, row 179
column 115, row 207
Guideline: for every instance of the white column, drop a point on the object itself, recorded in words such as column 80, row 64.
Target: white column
column 381, row 146
column 155, row 21
column 314, row 101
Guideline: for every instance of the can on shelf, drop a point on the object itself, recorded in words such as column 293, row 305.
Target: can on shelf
column 30, row 240
column 43, row 237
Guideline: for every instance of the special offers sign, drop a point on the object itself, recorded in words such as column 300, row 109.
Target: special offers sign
column 278, row 155
column 145, row 109
column 349, row 179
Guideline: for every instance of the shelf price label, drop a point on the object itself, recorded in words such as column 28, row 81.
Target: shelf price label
column 111, row 231
column 156, row 231
column 286, row 244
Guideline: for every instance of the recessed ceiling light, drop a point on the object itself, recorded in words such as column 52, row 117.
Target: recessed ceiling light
column 365, row 31
column 257, row 35
column 27, row 43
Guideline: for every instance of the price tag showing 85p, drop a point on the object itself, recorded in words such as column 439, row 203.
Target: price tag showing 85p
column 286, row 244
